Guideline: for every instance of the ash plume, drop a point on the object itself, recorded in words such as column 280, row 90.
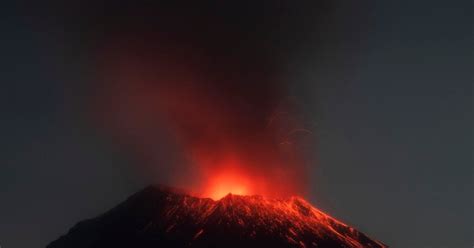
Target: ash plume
column 195, row 91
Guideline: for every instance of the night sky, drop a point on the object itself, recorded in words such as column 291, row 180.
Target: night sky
column 387, row 88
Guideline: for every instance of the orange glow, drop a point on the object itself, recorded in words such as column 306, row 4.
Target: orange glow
column 242, row 176
column 292, row 219
column 223, row 184
column 211, row 132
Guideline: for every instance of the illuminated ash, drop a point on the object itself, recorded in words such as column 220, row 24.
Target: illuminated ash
column 158, row 217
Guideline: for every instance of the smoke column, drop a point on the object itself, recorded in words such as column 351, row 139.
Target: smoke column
column 195, row 93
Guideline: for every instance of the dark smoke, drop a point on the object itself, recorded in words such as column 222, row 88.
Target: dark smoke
column 196, row 91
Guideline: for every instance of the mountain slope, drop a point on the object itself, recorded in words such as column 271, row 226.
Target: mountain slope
column 160, row 217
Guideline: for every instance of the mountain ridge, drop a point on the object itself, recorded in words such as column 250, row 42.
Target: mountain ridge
column 166, row 217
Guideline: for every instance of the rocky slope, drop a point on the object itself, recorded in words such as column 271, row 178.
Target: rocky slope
column 160, row 217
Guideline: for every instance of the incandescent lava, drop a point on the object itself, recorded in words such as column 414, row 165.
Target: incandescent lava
column 161, row 217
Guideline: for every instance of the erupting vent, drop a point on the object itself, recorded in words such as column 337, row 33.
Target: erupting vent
column 165, row 218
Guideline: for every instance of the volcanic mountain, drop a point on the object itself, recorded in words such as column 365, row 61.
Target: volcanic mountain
column 162, row 217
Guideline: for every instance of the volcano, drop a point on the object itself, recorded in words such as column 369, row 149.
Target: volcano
column 164, row 217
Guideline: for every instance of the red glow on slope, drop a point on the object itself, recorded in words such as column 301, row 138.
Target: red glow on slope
column 293, row 220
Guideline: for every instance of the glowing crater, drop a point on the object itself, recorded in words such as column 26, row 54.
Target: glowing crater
column 221, row 185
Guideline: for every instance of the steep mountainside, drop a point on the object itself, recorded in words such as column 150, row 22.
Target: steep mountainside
column 160, row 217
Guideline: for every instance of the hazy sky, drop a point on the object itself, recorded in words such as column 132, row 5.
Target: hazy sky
column 391, row 102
